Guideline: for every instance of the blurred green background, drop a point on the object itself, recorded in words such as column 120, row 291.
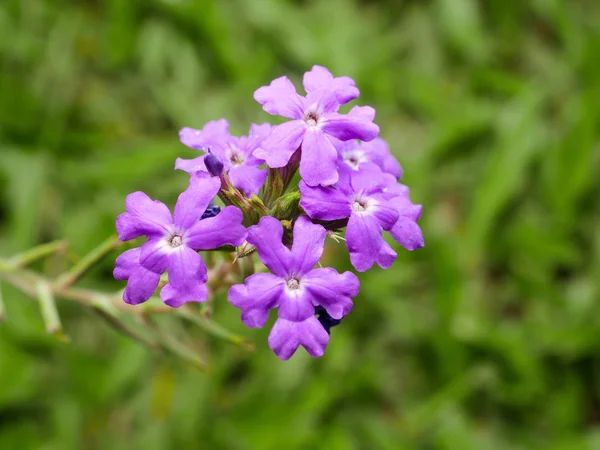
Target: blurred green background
column 488, row 338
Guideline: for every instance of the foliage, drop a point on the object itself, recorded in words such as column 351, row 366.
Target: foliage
column 486, row 338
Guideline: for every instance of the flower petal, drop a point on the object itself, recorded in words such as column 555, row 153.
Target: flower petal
column 126, row 263
column 401, row 201
column 195, row 199
column 154, row 255
column 369, row 179
column 260, row 293
column 307, row 248
column 191, row 166
column 196, row 292
column 248, row 179
column 364, row 112
column 141, row 282
column 258, row 133
column 349, row 126
column 212, row 133
column 296, row 304
column 345, row 90
column 319, row 77
column 267, row 238
column 277, row 149
column 331, row 290
column 287, row 336
column 408, row 234
column 280, row 99
column 384, row 211
column 365, row 243
column 140, row 287
column 321, row 101
column 324, row 203
column 378, row 152
column 224, row 229
column 192, row 138
column 186, row 268
column 143, row 216
column 319, row 159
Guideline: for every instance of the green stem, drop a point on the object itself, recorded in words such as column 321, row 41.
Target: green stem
column 36, row 253
column 48, row 310
column 2, row 308
column 114, row 321
column 87, row 262
column 213, row 328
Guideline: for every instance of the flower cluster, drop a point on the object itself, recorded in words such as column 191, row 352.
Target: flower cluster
column 348, row 179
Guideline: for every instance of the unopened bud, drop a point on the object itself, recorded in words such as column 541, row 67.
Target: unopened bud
column 213, row 164
column 211, row 211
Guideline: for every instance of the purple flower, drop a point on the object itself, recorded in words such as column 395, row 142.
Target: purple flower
column 371, row 206
column 235, row 153
column 355, row 153
column 315, row 125
column 319, row 77
column 173, row 241
column 294, row 287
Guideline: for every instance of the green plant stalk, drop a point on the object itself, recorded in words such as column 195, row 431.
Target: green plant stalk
column 213, row 328
column 48, row 309
column 41, row 251
column 2, row 307
column 87, row 262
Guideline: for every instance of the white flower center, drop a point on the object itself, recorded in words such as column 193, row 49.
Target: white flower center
column 175, row 241
column 235, row 159
column 293, row 284
column 311, row 118
column 360, row 204
column 354, row 158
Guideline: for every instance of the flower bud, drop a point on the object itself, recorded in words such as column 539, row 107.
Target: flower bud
column 211, row 211
column 213, row 164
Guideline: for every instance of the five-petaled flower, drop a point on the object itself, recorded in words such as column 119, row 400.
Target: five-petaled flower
column 236, row 153
column 370, row 201
column 294, row 286
column 173, row 241
column 315, row 125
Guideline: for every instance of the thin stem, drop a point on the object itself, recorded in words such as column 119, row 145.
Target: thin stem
column 48, row 309
column 88, row 261
column 41, row 251
column 213, row 328
column 2, row 308
column 26, row 281
column 125, row 329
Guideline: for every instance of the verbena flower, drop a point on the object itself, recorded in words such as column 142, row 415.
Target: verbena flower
column 173, row 241
column 372, row 204
column 294, row 287
column 236, row 153
column 314, row 126
column 354, row 153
